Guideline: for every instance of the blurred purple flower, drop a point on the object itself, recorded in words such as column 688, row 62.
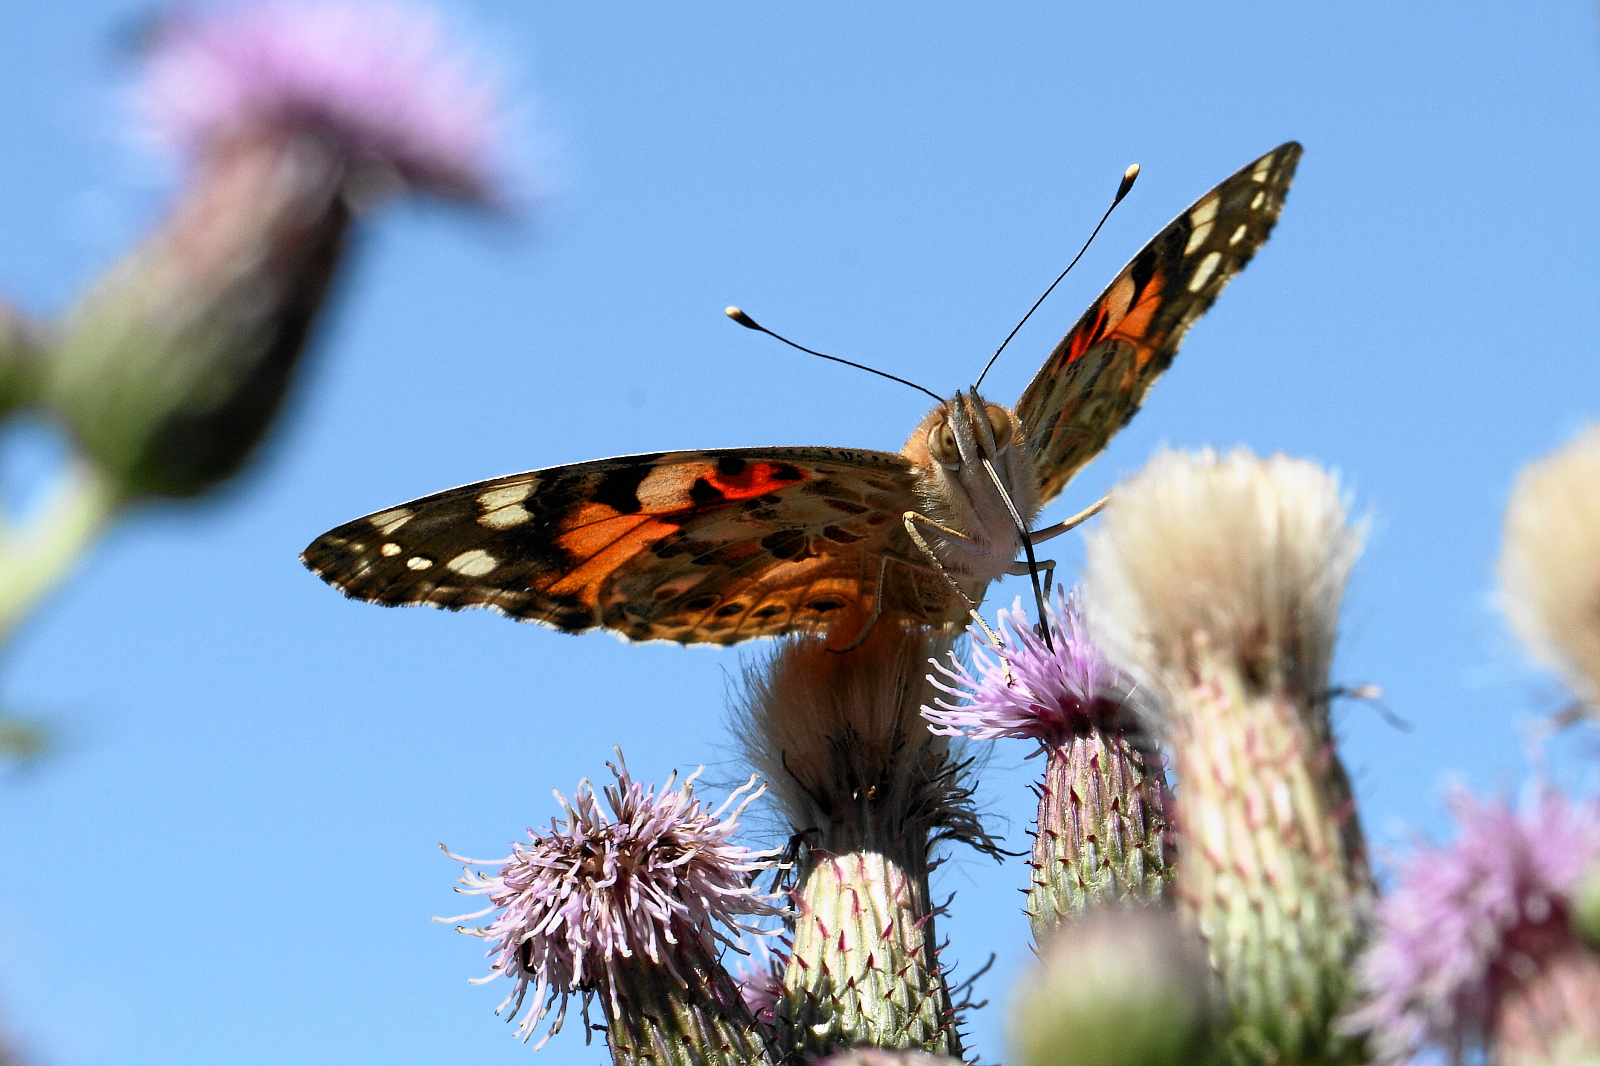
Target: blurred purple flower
column 1467, row 923
column 1044, row 695
column 656, row 878
column 761, row 987
column 374, row 77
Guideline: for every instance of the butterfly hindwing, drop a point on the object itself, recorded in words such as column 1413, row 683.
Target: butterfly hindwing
column 1097, row 376
column 708, row 546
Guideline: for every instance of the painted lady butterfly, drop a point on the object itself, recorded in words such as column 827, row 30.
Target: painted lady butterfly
column 725, row 545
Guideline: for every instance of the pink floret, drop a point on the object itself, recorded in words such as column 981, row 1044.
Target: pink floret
column 1027, row 690
column 377, row 78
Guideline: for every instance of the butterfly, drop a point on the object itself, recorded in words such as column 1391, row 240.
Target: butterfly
column 725, row 545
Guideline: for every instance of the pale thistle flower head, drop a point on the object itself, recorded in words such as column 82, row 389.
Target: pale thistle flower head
column 1550, row 566
column 1253, row 553
column 655, row 878
column 1024, row 689
column 1469, row 922
column 377, row 79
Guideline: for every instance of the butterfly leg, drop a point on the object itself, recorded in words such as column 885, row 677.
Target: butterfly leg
column 872, row 619
column 911, row 519
column 1039, row 536
column 1020, row 568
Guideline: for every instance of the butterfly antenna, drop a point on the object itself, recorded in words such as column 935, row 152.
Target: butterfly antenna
column 749, row 323
column 1129, row 176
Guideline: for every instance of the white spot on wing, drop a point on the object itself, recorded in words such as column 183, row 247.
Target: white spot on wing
column 1204, row 212
column 1203, row 272
column 1238, row 234
column 1257, row 200
column 391, row 549
column 474, row 563
column 505, row 496
column 419, row 562
column 1197, row 238
column 1263, row 169
column 505, row 517
column 389, row 521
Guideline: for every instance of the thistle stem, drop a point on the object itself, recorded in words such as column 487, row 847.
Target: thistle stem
column 38, row 557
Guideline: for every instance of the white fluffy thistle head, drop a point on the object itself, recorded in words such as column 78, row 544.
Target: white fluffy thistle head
column 1252, row 553
column 1550, row 565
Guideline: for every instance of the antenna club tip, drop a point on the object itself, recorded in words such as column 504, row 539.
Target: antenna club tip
column 740, row 317
column 1129, row 176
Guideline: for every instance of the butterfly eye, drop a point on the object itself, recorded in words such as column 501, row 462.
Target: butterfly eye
column 942, row 443
column 1000, row 422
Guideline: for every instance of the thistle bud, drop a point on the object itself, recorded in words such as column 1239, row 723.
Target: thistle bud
column 1550, row 566
column 630, row 908
column 1122, row 986
column 1099, row 837
column 288, row 116
column 1216, row 582
column 868, row 792
column 1475, row 952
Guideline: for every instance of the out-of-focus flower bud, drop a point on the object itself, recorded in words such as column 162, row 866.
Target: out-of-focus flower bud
column 1124, row 986
column 1099, row 837
column 630, row 908
column 289, row 115
column 1550, row 565
column 1216, row 582
column 1475, row 951
column 868, row 792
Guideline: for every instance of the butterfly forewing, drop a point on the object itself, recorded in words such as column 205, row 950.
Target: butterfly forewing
column 712, row 546
column 1097, row 376
column 721, row 546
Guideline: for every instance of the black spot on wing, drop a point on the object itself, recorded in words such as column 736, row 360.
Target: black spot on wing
column 619, row 489
column 785, row 543
column 731, row 466
column 704, row 493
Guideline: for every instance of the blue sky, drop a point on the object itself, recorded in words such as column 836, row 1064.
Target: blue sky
column 232, row 850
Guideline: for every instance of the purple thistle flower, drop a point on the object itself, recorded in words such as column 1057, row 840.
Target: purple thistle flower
column 1043, row 695
column 656, row 879
column 374, row 77
column 1471, row 922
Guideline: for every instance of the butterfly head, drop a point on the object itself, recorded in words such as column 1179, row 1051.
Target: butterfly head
column 958, row 444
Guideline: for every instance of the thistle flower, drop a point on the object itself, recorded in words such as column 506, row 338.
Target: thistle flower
column 1025, row 690
column 1474, row 949
column 868, row 792
column 291, row 115
column 377, row 80
column 1550, row 565
column 1100, row 832
column 1216, row 581
column 630, row 908
column 1121, row 986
